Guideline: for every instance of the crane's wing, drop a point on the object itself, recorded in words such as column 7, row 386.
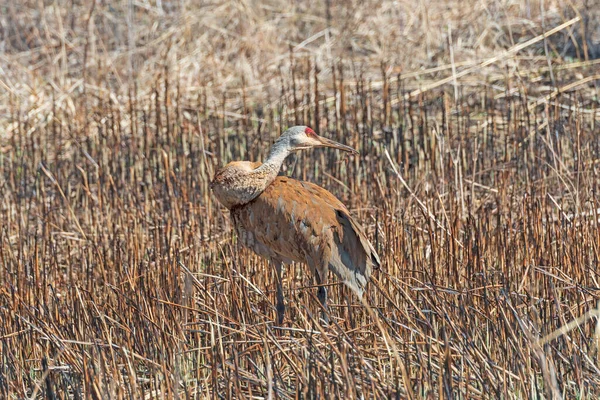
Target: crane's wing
column 303, row 222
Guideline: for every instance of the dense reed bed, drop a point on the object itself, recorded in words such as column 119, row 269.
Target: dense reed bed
column 120, row 277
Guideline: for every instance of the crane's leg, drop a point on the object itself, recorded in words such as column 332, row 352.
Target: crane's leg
column 322, row 293
column 280, row 303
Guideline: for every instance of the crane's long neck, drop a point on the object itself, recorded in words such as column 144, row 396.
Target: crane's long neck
column 268, row 171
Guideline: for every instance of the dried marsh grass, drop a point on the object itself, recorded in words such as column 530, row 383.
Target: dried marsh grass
column 477, row 180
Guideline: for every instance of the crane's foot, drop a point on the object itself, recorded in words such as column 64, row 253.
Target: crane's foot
column 280, row 312
column 322, row 295
column 280, row 304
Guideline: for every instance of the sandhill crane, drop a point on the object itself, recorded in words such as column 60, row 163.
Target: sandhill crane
column 285, row 220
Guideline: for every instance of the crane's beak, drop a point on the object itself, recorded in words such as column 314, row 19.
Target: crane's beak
column 335, row 145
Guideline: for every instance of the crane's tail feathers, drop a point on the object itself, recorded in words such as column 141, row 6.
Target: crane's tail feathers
column 376, row 262
column 355, row 280
column 358, row 284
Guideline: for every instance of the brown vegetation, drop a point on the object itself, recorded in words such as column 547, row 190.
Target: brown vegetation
column 477, row 180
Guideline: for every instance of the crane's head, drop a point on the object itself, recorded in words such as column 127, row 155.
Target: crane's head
column 303, row 138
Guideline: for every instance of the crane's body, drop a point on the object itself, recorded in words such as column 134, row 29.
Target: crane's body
column 300, row 221
column 285, row 220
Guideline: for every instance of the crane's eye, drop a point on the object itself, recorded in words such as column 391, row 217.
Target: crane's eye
column 310, row 133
